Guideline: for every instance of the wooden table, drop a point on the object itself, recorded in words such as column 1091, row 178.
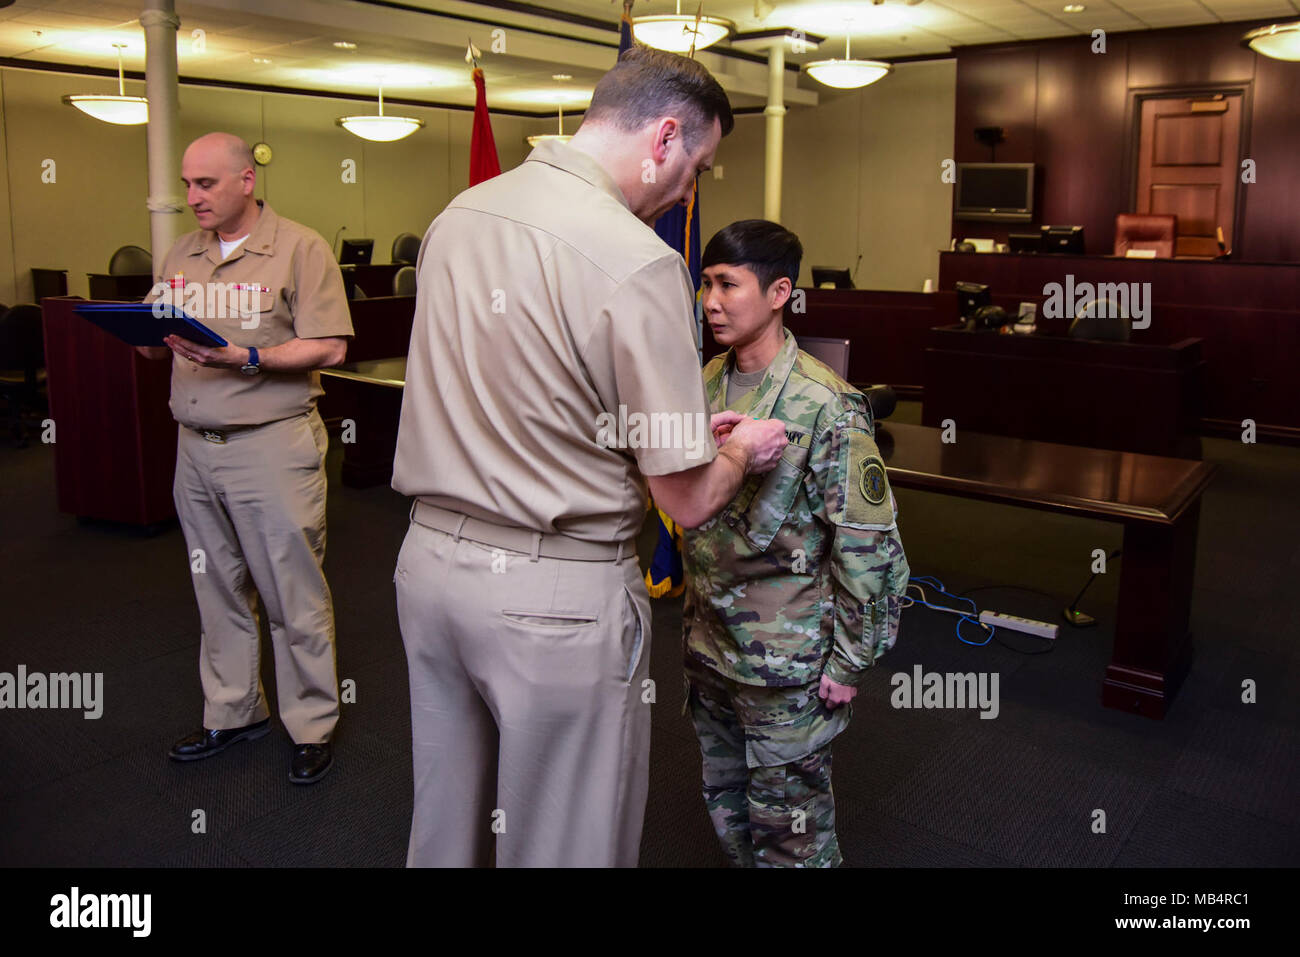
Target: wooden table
column 371, row 393
column 375, row 279
column 1156, row 499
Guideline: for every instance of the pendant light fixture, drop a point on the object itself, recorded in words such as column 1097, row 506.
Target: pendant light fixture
column 120, row 109
column 1281, row 41
column 559, row 136
column 380, row 128
column 847, row 74
column 680, row 34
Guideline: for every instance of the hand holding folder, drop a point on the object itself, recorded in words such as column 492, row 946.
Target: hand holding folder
column 148, row 323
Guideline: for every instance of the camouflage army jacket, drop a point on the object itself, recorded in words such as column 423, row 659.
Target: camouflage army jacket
column 801, row 573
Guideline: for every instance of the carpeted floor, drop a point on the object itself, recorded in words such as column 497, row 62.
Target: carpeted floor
column 1215, row 784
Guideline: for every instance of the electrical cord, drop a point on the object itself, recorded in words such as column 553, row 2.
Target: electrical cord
column 1050, row 646
column 919, row 582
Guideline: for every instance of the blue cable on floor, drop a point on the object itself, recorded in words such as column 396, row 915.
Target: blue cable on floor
column 921, row 581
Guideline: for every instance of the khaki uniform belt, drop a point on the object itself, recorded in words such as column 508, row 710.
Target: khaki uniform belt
column 531, row 543
column 219, row 436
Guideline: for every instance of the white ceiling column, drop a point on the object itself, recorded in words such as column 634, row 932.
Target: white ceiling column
column 775, row 150
column 161, row 88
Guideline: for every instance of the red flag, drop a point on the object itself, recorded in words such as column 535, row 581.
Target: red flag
column 483, row 162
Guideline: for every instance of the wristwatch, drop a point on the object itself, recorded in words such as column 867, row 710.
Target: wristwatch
column 251, row 367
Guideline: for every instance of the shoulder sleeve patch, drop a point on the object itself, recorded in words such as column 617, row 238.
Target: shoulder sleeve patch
column 867, row 499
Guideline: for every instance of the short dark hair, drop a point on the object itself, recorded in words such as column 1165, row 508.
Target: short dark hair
column 767, row 248
column 646, row 84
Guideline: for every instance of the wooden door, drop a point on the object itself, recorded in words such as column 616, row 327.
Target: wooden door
column 1188, row 165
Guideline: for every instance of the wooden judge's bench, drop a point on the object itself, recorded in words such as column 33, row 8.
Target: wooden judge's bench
column 1246, row 317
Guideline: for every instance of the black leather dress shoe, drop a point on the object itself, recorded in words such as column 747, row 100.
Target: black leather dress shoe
column 310, row 762
column 206, row 742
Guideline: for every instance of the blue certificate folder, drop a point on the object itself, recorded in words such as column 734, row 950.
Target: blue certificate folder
column 135, row 323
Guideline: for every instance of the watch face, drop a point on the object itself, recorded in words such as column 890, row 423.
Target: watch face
column 261, row 154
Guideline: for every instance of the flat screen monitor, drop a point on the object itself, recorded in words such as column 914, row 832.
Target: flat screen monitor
column 970, row 297
column 1025, row 242
column 1063, row 239
column 996, row 192
column 827, row 276
column 356, row 251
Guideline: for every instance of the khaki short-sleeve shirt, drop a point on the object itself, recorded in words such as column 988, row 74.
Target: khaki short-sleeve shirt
column 552, row 361
column 281, row 283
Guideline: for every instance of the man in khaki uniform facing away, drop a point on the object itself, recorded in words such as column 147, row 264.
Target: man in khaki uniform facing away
column 250, row 455
column 552, row 373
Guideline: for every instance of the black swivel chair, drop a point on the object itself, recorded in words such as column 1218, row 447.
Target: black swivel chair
column 1101, row 319
column 404, row 281
column 835, row 353
column 22, row 364
column 131, row 261
column 881, row 399
column 406, row 248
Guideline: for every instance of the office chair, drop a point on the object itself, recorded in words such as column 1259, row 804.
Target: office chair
column 22, row 363
column 1146, row 231
column 882, row 401
column 1101, row 319
column 404, row 281
column 131, row 261
column 406, row 248
column 833, row 352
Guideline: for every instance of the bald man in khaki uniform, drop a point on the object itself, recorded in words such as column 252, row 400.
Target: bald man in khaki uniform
column 250, row 456
column 551, row 355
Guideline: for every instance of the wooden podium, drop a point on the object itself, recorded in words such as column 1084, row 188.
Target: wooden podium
column 115, row 439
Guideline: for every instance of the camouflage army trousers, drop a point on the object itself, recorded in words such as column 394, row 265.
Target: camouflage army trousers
column 767, row 769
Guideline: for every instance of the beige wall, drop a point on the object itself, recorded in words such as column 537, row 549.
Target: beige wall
column 861, row 173
column 862, row 177
column 97, row 202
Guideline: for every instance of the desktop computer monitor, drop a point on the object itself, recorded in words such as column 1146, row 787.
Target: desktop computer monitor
column 971, row 296
column 826, row 276
column 356, row 251
column 1063, row 239
column 1025, row 242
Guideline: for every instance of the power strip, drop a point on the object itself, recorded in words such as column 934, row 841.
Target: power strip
column 1039, row 629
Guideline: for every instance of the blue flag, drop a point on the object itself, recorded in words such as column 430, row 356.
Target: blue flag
column 625, row 28
column 680, row 229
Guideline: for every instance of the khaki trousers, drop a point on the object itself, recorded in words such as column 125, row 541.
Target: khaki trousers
column 255, row 508
column 528, row 723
